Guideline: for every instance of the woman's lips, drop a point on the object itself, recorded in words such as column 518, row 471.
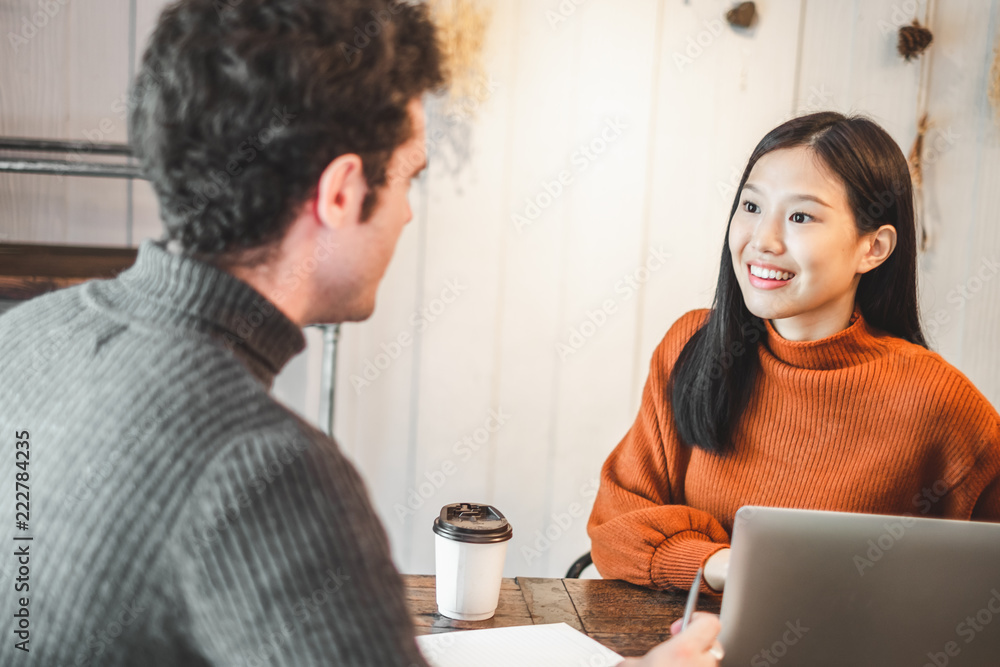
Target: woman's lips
column 765, row 283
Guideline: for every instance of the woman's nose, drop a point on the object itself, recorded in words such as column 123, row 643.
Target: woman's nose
column 767, row 235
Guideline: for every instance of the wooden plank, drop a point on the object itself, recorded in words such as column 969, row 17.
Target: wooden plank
column 960, row 154
column 613, row 117
column 44, row 261
column 618, row 607
column 22, row 289
column 29, row 270
column 627, row 619
column 421, row 581
column 719, row 92
column 960, row 278
column 459, row 413
column 95, row 84
column 33, row 104
column 420, row 599
column 549, row 602
column 541, row 142
column 146, row 223
column 849, row 62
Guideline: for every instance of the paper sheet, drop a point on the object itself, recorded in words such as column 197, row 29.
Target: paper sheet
column 552, row 645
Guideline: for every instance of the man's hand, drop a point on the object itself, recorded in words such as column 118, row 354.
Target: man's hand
column 695, row 647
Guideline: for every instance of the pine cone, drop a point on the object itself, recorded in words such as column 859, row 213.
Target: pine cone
column 742, row 15
column 913, row 40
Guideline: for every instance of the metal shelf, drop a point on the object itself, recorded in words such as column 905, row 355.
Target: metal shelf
column 67, row 167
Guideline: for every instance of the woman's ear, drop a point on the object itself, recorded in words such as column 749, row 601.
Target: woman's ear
column 341, row 192
column 881, row 243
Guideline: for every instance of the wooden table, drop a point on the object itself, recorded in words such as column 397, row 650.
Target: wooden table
column 627, row 619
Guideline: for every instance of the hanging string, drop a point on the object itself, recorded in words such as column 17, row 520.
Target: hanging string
column 924, row 229
column 995, row 80
column 917, row 177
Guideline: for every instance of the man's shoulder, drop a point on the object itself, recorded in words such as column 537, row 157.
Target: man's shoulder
column 276, row 427
column 61, row 303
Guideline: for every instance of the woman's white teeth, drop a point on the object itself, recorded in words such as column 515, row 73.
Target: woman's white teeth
column 770, row 274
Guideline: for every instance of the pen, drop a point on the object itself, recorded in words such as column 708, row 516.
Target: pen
column 692, row 600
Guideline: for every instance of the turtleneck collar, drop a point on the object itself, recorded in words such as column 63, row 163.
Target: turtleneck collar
column 857, row 344
column 165, row 289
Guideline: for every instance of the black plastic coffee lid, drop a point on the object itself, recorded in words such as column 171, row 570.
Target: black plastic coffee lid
column 471, row 522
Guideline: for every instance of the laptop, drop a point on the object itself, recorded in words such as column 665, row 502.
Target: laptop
column 813, row 588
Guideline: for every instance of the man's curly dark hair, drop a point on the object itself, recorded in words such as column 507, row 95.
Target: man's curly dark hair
column 240, row 104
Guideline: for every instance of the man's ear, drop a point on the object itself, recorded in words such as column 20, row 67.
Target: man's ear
column 341, row 192
column 881, row 245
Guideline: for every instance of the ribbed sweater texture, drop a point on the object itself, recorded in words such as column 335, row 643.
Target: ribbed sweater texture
column 179, row 514
column 859, row 421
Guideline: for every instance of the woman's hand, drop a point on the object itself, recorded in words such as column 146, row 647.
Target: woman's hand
column 717, row 569
column 695, row 647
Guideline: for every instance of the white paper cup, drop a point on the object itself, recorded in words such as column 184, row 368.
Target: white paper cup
column 470, row 545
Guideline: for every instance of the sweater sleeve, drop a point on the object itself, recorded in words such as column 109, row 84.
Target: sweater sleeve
column 985, row 482
column 969, row 428
column 988, row 506
column 281, row 560
column 640, row 529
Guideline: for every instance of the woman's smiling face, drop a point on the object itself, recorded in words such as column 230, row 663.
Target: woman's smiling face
column 794, row 218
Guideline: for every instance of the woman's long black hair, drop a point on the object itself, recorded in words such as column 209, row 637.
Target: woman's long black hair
column 714, row 375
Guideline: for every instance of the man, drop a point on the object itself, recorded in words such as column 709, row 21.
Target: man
column 180, row 515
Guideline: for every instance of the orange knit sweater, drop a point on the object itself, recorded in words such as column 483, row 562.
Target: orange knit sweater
column 860, row 421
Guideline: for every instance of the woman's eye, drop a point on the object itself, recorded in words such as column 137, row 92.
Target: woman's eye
column 800, row 217
column 750, row 207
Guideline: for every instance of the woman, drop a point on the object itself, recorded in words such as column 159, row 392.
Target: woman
column 808, row 383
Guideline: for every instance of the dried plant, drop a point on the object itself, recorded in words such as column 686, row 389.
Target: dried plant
column 913, row 40
column 915, row 161
column 462, row 26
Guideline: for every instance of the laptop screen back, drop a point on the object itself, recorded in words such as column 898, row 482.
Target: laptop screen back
column 832, row 588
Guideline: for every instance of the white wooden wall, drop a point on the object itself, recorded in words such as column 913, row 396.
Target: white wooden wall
column 483, row 303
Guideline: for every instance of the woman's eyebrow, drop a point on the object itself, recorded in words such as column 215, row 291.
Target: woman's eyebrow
column 795, row 197
column 809, row 198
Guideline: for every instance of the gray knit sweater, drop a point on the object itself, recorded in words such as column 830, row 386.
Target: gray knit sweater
column 179, row 515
